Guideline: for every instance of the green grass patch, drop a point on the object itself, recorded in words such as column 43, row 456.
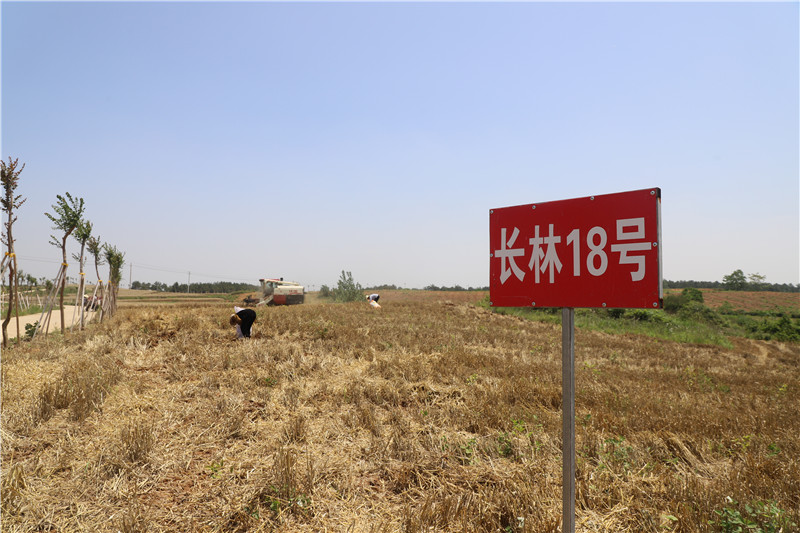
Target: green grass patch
column 689, row 322
column 32, row 310
column 755, row 517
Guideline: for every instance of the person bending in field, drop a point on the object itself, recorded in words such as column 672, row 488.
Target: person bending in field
column 373, row 300
column 243, row 320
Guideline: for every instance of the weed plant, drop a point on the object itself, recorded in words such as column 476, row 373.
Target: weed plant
column 425, row 415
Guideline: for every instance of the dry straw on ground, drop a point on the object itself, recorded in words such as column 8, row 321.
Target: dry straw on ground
column 421, row 416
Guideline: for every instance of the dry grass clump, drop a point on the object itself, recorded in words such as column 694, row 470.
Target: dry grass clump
column 136, row 441
column 81, row 388
column 11, row 489
column 425, row 415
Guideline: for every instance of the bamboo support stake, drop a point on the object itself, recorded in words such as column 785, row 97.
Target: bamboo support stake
column 75, row 310
column 102, row 298
column 83, row 295
column 47, row 310
column 16, row 292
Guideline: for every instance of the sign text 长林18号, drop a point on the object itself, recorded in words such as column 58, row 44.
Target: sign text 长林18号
column 597, row 251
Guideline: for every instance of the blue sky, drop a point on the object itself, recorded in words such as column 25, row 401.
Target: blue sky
column 258, row 139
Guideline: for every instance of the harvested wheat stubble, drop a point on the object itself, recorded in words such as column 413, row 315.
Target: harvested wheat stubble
column 430, row 415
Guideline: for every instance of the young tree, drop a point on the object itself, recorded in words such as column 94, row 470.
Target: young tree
column 68, row 215
column 347, row 290
column 82, row 234
column 324, row 291
column 735, row 281
column 9, row 175
column 758, row 282
column 115, row 260
column 95, row 248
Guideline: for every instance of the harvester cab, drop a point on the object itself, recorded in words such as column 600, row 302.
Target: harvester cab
column 279, row 292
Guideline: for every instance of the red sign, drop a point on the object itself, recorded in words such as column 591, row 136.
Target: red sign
column 598, row 251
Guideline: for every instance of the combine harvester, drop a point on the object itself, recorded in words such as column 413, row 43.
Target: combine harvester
column 279, row 292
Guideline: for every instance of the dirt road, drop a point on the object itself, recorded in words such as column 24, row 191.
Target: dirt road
column 72, row 315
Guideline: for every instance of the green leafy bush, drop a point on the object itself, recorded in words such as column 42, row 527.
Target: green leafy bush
column 782, row 329
column 674, row 302
column 347, row 290
column 758, row 517
column 30, row 330
column 692, row 295
column 615, row 313
column 696, row 311
column 645, row 315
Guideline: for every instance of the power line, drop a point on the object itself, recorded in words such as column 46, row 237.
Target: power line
column 243, row 279
column 37, row 259
column 148, row 267
column 201, row 274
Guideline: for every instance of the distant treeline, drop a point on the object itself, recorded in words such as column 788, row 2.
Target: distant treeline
column 382, row 288
column 229, row 287
column 454, row 288
column 203, row 288
column 427, row 288
column 746, row 286
column 733, row 284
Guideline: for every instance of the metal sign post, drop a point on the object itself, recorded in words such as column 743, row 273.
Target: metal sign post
column 568, row 418
column 597, row 251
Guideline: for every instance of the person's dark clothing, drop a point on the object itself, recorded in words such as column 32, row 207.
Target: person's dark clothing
column 248, row 316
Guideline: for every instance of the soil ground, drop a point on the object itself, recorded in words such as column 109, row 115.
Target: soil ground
column 71, row 316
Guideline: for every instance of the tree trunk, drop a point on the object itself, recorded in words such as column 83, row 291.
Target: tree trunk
column 63, row 282
column 99, row 290
column 12, row 276
column 10, row 300
column 81, row 286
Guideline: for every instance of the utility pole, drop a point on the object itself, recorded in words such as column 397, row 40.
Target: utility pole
column 130, row 279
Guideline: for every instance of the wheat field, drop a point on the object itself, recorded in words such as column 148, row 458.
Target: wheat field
column 426, row 415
